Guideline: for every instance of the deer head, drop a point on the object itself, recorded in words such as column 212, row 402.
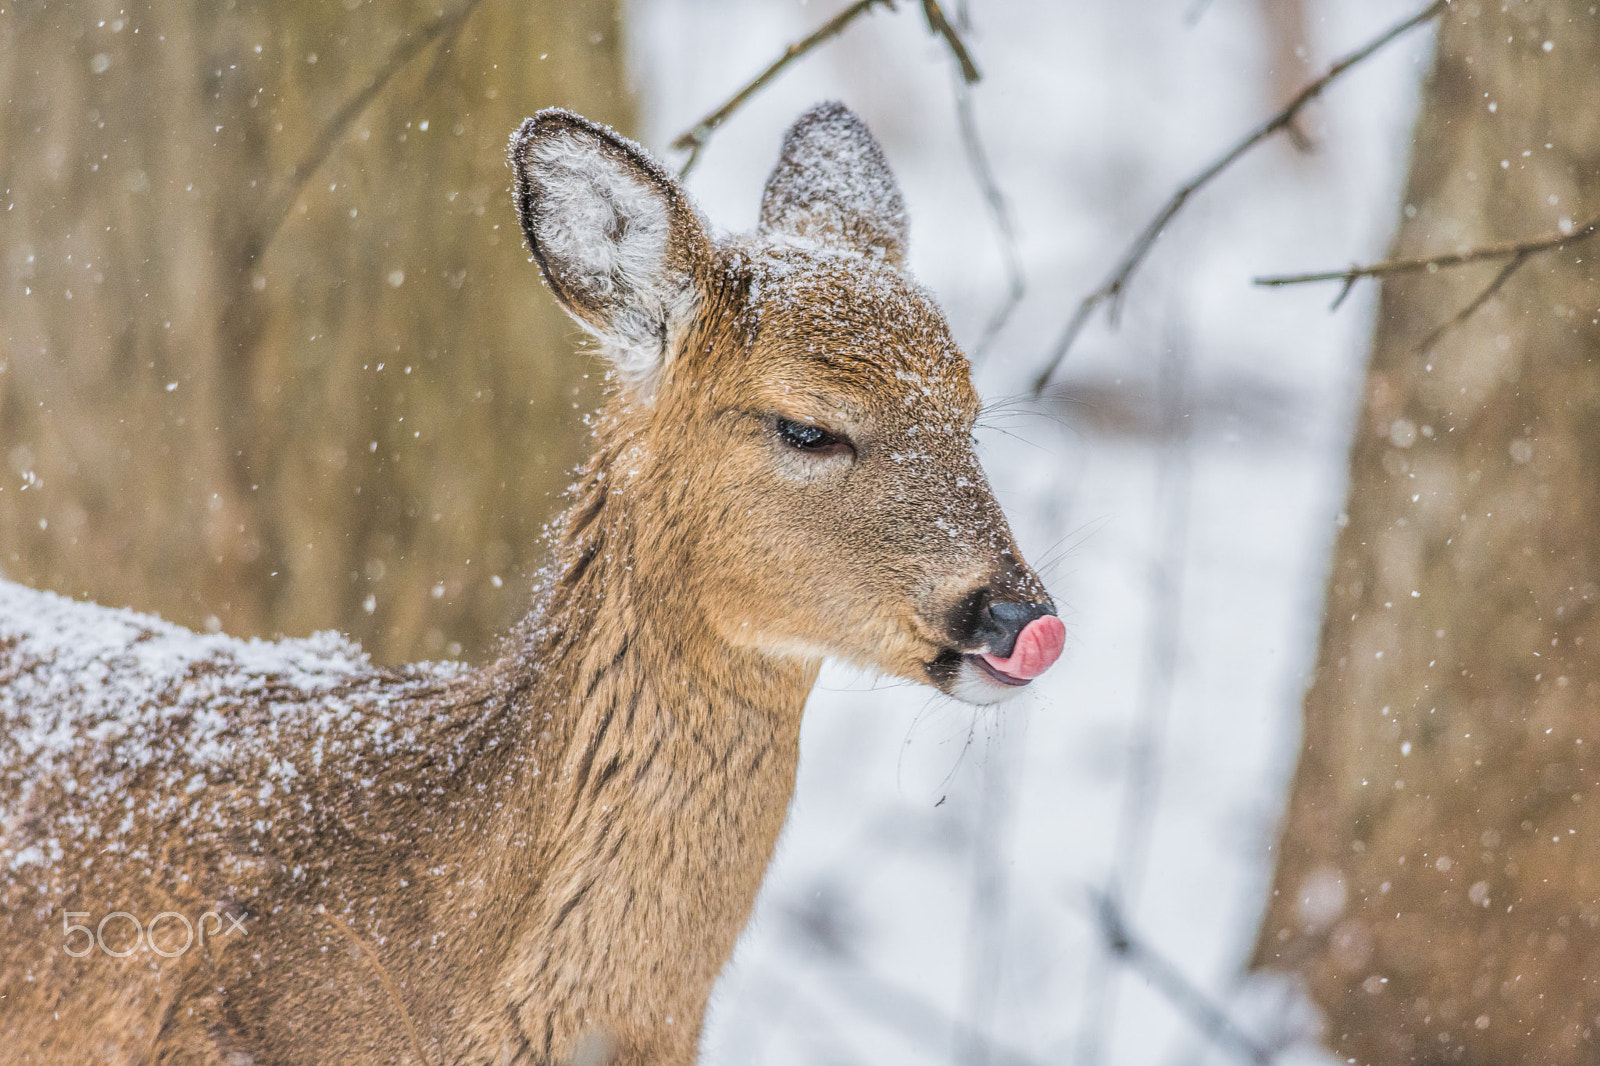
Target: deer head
column 789, row 433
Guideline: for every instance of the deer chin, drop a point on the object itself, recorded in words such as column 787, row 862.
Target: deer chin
column 970, row 679
column 976, row 681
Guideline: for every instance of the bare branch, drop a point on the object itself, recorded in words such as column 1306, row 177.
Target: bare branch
column 1206, row 1015
column 989, row 186
column 1344, row 292
column 999, row 214
column 1500, row 278
column 1111, row 290
column 694, row 138
column 444, row 27
column 1515, row 253
column 1508, row 250
column 937, row 23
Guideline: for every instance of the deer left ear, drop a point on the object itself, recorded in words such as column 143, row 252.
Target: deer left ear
column 614, row 235
column 833, row 185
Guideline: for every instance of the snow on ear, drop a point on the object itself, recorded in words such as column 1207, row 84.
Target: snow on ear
column 832, row 185
column 614, row 235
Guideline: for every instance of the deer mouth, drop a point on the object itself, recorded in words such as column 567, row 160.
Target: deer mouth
column 971, row 678
column 983, row 677
column 987, row 665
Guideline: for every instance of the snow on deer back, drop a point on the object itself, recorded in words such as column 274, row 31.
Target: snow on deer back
column 113, row 722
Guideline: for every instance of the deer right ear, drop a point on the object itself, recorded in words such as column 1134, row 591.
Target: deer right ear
column 614, row 236
column 833, row 185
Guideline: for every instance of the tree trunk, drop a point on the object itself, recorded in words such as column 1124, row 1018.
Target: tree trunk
column 1438, row 882
column 247, row 387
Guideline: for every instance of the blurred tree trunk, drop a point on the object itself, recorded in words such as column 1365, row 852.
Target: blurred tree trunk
column 1438, row 882
column 245, row 390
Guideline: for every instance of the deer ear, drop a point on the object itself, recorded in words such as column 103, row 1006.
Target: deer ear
column 832, row 185
column 614, row 235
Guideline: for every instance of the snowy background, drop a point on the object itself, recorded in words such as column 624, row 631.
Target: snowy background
column 1179, row 488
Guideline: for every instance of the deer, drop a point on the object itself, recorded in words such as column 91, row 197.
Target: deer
column 261, row 853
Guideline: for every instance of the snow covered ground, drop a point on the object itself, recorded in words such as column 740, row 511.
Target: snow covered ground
column 930, row 901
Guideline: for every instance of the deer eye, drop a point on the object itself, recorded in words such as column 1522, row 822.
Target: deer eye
column 805, row 437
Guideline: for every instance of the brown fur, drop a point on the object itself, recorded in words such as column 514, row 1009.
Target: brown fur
column 554, row 854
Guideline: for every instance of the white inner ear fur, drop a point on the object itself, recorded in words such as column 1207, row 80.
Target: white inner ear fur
column 605, row 232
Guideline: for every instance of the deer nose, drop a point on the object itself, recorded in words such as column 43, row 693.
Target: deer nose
column 1001, row 622
column 1027, row 640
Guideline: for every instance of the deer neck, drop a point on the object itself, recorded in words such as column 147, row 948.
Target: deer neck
column 660, row 766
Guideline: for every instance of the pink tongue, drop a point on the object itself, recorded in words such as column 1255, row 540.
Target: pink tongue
column 1038, row 645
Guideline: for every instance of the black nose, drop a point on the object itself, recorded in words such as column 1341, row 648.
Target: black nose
column 1000, row 622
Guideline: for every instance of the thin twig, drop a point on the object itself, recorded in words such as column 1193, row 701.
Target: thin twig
column 1206, row 1015
column 937, row 23
column 1113, row 287
column 371, row 956
column 1508, row 250
column 694, row 138
column 445, row 27
column 995, row 200
column 999, row 214
column 1500, row 278
column 1515, row 253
